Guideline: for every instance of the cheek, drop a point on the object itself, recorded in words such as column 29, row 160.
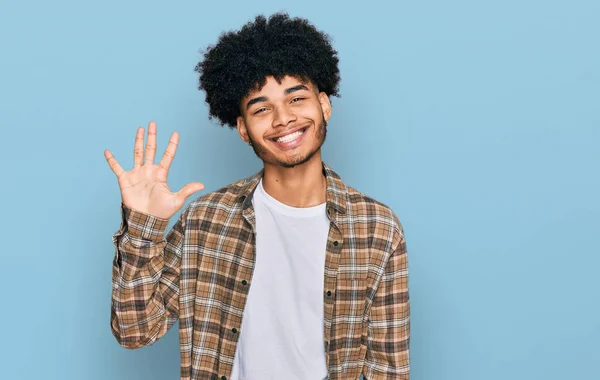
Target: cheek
column 257, row 128
column 312, row 112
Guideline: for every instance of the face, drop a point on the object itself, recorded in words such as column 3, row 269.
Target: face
column 285, row 122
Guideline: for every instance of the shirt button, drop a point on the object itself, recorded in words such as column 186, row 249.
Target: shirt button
column 335, row 243
column 244, row 282
column 329, row 293
column 234, row 330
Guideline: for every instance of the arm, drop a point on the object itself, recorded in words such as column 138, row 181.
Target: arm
column 389, row 322
column 145, row 285
column 145, row 291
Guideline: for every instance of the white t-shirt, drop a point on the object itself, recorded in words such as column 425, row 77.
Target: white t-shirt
column 281, row 336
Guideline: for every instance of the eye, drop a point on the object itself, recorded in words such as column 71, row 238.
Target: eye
column 260, row 110
column 295, row 100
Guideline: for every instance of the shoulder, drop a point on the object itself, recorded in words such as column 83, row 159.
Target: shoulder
column 364, row 207
column 228, row 199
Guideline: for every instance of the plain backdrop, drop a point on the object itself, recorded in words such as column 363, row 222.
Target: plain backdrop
column 477, row 121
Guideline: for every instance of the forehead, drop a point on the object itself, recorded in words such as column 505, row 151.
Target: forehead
column 273, row 87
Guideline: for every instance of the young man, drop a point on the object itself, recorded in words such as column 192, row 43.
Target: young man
column 289, row 274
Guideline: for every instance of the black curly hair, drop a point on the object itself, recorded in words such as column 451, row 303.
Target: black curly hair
column 280, row 46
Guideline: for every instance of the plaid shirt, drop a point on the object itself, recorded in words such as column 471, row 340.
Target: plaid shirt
column 201, row 272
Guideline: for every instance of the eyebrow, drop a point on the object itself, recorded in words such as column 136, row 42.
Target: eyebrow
column 295, row 88
column 256, row 100
column 286, row 92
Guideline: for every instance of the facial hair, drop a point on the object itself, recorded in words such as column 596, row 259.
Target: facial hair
column 263, row 153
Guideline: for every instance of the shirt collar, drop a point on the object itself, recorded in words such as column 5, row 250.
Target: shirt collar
column 335, row 198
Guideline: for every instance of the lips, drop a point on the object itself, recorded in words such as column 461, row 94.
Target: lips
column 289, row 136
column 290, row 140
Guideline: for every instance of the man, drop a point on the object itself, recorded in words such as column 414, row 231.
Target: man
column 288, row 274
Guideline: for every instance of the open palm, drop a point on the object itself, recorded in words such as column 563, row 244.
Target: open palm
column 144, row 188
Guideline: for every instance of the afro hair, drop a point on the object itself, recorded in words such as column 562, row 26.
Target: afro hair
column 242, row 60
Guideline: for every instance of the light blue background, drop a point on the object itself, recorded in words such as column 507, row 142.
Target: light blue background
column 478, row 122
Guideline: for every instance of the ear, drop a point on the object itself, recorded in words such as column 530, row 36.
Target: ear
column 325, row 105
column 241, row 128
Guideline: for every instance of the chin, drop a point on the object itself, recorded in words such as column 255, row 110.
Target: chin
column 296, row 159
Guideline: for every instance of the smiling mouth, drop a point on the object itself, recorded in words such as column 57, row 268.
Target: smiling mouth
column 291, row 137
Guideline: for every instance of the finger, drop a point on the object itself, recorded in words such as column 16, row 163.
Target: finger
column 138, row 149
column 112, row 162
column 151, row 143
column 189, row 189
column 169, row 154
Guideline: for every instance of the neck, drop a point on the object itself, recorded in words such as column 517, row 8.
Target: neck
column 301, row 186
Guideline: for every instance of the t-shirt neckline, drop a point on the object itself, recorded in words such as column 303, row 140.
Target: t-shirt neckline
column 298, row 212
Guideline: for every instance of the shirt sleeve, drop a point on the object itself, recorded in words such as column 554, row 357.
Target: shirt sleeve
column 145, row 279
column 389, row 322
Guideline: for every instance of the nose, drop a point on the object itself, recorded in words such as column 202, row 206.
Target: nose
column 283, row 116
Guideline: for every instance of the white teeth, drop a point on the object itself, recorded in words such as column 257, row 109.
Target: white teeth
column 290, row 137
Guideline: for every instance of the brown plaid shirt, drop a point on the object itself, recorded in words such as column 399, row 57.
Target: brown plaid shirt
column 201, row 272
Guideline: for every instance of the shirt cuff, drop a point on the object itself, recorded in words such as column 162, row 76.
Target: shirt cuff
column 143, row 226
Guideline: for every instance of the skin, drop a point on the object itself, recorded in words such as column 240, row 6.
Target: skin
column 291, row 175
column 144, row 188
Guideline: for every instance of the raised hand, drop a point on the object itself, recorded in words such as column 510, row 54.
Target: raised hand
column 144, row 188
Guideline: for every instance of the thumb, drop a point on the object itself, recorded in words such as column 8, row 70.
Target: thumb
column 189, row 189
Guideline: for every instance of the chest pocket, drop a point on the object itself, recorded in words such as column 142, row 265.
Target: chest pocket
column 350, row 297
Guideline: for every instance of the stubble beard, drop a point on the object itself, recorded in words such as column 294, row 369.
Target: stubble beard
column 263, row 153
